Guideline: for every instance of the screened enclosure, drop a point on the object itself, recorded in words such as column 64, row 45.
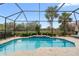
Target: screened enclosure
column 25, row 19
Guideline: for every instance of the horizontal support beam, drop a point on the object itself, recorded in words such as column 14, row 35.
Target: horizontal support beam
column 76, row 9
column 41, row 21
column 2, row 16
column 14, row 14
column 76, row 12
column 43, row 11
column 2, row 3
column 6, row 18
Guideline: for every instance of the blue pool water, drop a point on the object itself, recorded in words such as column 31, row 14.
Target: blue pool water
column 32, row 43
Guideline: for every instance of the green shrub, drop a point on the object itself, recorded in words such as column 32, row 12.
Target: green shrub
column 18, row 34
column 50, row 34
column 24, row 34
column 44, row 33
column 33, row 33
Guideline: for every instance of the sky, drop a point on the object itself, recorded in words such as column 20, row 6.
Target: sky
column 9, row 8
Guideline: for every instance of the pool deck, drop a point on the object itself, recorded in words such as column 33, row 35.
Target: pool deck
column 53, row 51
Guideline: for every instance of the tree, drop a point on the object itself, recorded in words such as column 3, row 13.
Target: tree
column 37, row 28
column 10, row 26
column 33, row 26
column 50, row 15
column 64, row 19
column 2, row 28
column 20, row 27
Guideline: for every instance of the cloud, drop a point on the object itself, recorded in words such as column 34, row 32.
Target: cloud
column 71, row 4
column 68, row 4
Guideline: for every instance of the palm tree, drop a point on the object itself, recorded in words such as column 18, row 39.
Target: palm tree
column 64, row 19
column 50, row 15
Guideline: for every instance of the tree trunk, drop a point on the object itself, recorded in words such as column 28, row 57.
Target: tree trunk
column 65, row 28
column 52, row 25
column 51, row 28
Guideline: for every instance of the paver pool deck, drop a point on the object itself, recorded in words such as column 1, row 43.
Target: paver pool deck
column 52, row 51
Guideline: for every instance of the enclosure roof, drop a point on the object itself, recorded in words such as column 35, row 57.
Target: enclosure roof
column 27, row 11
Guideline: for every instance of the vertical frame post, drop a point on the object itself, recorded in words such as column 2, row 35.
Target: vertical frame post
column 5, row 29
column 14, row 28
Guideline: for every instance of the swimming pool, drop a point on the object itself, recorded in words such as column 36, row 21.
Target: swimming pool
column 32, row 43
